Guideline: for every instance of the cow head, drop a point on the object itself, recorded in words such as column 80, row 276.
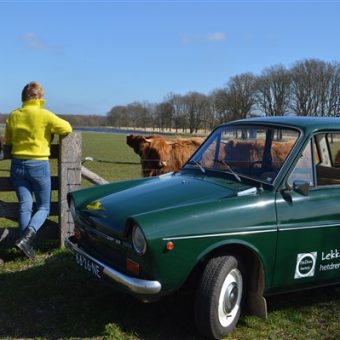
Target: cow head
column 136, row 142
column 155, row 156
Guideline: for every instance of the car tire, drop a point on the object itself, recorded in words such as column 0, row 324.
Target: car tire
column 219, row 297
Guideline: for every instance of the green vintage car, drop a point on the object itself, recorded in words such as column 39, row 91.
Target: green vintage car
column 255, row 211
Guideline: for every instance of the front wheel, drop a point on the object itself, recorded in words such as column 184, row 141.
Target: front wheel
column 219, row 296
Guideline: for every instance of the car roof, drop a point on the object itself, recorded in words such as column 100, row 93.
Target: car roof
column 303, row 123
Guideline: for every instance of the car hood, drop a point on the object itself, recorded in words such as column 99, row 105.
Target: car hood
column 112, row 211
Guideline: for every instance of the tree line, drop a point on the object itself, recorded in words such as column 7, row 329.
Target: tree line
column 309, row 88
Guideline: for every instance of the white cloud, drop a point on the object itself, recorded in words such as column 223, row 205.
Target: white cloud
column 203, row 38
column 217, row 36
column 32, row 41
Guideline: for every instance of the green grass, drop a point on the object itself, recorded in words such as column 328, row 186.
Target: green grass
column 114, row 159
column 50, row 298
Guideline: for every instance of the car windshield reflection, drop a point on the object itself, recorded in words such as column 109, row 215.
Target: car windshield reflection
column 256, row 152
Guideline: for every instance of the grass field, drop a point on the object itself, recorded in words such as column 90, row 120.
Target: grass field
column 50, row 298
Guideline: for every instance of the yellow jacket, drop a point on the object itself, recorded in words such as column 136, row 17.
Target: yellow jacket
column 29, row 130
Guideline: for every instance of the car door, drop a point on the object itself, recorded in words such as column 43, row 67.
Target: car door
column 308, row 213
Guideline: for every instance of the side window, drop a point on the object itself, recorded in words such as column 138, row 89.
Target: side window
column 333, row 140
column 328, row 169
column 303, row 170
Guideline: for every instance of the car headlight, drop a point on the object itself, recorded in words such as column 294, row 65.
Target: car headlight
column 138, row 240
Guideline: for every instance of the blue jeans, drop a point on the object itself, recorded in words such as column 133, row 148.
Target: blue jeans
column 32, row 177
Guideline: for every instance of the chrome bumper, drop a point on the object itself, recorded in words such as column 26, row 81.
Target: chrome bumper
column 133, row 284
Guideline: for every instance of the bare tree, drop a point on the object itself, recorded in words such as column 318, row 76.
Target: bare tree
column 309, row 79
column 310, row 87
column 208, row 118
column 334, row 100
column 273, row 91
column 197, row 106
column 179, row 111
column 329, row 90
column 241, row 95
column 220, row 106
column 118, row 116
column 139, row 115
column 164, row 113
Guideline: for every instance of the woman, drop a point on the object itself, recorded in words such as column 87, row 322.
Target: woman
column 29, row 131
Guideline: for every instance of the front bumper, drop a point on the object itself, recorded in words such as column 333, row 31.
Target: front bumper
column 134, row 285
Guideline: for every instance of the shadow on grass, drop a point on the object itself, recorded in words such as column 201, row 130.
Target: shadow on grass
column 55, row 299
column 49, row 297
column 305, row 298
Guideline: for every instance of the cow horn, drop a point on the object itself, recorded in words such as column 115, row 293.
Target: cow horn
column 148, row 140
column 170, row 143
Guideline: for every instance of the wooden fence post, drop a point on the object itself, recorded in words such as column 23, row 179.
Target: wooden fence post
column 69, row 172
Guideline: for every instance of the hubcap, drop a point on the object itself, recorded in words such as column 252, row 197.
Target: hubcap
column 230, row 297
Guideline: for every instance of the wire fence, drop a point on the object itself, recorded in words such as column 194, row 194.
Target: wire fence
column 113, row 171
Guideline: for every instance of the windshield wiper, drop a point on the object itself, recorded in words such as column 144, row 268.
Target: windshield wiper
column 238, row 178
column 198, row 164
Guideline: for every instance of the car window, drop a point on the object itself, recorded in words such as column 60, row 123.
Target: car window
column 303, row 170
column 258, row 152
column 333, row 141
column 328, row 167
column 319, row 163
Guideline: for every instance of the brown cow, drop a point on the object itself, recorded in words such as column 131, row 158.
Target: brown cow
column 253, row 151
column 136, row 142
column 241, row 153
column 159, row 155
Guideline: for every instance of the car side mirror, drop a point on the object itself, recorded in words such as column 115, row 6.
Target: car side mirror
column 286, row 193
column 301, row 187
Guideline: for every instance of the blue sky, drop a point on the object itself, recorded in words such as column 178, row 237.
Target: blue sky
column 92, row 55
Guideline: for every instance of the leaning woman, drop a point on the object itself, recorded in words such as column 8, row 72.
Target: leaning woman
column 29, row 131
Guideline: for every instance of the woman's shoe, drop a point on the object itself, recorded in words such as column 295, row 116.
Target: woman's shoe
column 25, row 242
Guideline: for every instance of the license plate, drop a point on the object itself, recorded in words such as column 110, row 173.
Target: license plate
column 89, row 265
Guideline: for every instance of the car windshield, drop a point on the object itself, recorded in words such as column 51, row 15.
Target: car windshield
column 256, row 152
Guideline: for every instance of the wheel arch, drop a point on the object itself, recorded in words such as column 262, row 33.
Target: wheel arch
column 254, row 272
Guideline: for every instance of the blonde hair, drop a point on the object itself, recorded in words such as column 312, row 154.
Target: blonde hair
column 32, row 90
